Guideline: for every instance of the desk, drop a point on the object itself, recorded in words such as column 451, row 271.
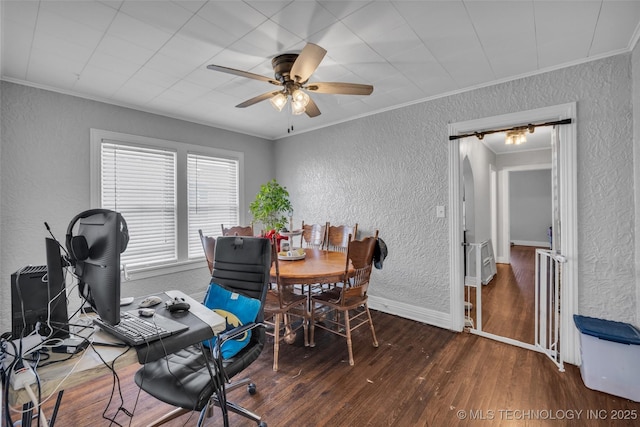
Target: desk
column 52, row 377
column 89, row 365
column 318, row 266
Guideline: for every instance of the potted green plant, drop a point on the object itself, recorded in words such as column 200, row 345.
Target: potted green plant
column 270, row 205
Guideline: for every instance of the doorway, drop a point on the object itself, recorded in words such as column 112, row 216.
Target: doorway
column 508, row 298
column 568, row 217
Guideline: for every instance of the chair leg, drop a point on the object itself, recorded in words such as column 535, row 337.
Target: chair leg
column 347, row 326
column 276, row 340
column 312, row 320
column 373, row 331
column 289, row 335
column 237, row 384
column 239, row 410
column 178, row 412
column 305, row 331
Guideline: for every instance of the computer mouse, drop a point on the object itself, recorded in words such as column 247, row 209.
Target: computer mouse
column 146, row 312
column 177, row 305
column 150, row 302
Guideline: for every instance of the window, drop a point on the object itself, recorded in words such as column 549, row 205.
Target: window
column 213, row 197
column 166, row 191
column 140, row 183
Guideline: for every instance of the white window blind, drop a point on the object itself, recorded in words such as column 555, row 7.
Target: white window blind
column 140, row 183
column 213, row 197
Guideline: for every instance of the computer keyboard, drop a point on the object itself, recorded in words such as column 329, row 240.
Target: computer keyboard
column 134, row 330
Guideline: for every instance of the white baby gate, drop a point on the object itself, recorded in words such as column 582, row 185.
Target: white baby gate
column 547, row 310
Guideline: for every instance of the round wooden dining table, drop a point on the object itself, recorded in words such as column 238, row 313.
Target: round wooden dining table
column 318, row 266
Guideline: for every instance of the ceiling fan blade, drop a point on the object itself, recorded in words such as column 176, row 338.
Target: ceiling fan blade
column 340, row 88
column 307, row 62
column 243, row 74
column 312, row 109
column 257, row 99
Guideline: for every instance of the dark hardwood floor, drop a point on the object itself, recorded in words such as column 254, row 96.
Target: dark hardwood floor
column 420, row 375
column 508, row 301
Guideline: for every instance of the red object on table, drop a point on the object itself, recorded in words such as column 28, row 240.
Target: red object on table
column 279, row 237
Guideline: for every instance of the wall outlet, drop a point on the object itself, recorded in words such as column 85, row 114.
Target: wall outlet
column 440, row 211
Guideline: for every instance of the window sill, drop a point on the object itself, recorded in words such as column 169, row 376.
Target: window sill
column 161, row 270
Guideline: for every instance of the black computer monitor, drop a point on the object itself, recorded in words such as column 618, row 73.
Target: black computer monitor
column 99, row 272
column 38, row 297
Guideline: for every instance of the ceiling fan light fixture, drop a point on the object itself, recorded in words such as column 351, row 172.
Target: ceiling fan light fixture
column 300, row 97
column 292, row 72
column 279, row 101
column 297, row 107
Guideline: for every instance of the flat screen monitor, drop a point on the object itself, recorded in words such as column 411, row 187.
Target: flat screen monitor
column 39, row 299
column 99, row 272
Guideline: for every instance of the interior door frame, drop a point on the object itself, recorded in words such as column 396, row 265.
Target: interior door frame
column 569, row 214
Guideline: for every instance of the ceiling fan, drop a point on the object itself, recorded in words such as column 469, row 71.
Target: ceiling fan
column 292, row 72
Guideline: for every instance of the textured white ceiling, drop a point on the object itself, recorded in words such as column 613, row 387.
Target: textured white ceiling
column 152, row 55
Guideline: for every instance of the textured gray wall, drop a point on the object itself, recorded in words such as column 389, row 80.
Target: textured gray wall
column 45, row 173
column 389, row 171
column 530, row 205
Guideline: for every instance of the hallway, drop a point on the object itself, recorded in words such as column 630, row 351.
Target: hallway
column 508, row 301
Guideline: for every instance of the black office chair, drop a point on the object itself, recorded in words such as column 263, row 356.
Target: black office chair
column 184, row 379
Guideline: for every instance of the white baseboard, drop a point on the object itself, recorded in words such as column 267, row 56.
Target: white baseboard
column 408, row 311
column 471, row 280
column 530, row 243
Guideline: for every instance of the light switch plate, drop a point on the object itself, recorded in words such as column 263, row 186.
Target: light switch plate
column 440, row 211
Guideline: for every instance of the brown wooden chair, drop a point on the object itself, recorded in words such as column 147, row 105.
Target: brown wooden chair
column 281, row 307
column 340, row 306
column 313, row 236
column 238, row 230
column 339, row 236
column 209, row 247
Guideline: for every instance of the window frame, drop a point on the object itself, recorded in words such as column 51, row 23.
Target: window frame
column 183, row 263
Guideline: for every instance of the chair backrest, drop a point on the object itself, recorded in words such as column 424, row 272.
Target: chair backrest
column 243, row 265
column 238, row 230
column 360, row 256
column 339, row 236
column 209, row 247
column 313, row 235
column 283, row 293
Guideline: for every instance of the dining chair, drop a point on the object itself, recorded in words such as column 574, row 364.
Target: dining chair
column 282, row 306
column 313, row 235
column 238, row 230
column 338, row 236
column 209, row 247
column 341, row 306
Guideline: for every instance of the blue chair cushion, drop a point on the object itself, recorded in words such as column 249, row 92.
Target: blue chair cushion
column 237, row 309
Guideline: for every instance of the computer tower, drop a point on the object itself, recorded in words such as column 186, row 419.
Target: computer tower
column 32, row 289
